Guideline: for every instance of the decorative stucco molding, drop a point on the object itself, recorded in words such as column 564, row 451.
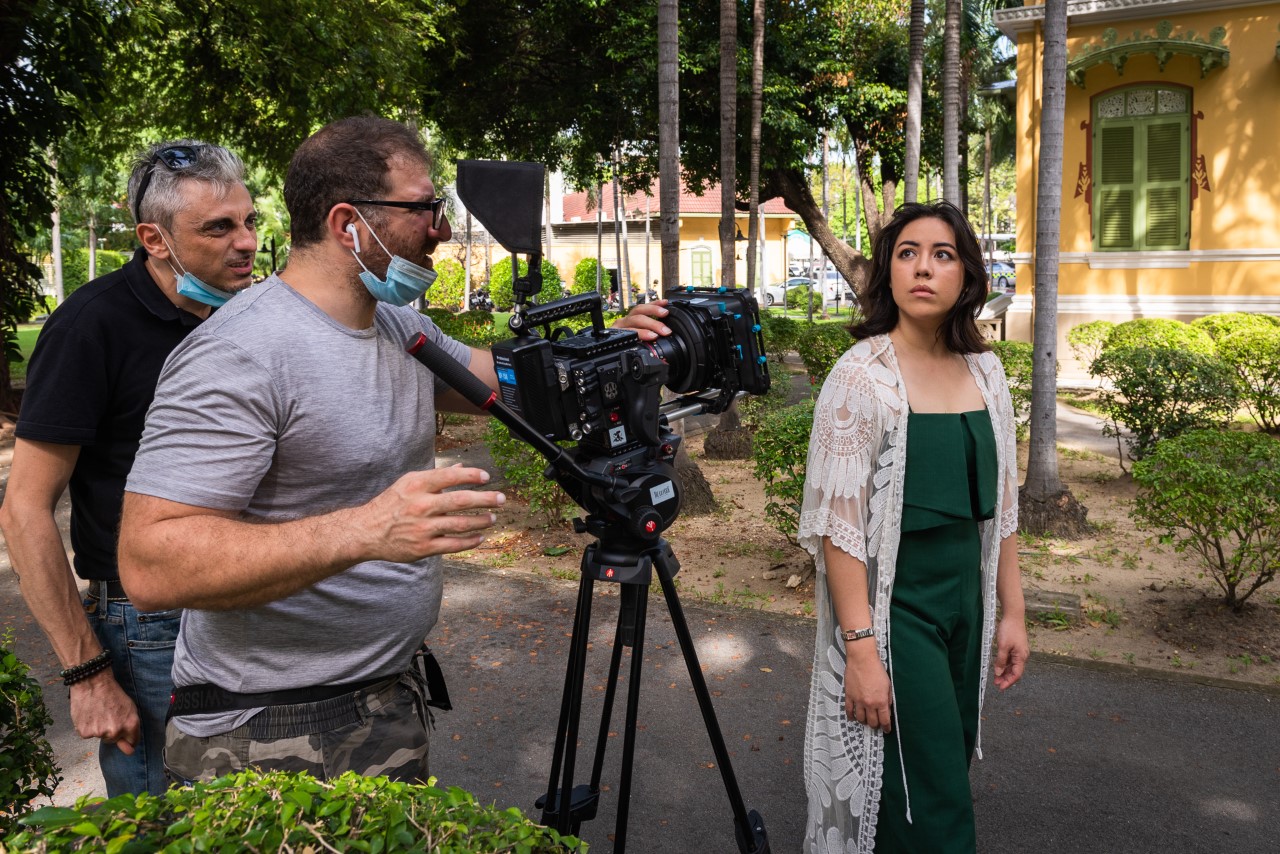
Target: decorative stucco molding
column 1013, row 21
column 1163, row 45
column 1172, row 259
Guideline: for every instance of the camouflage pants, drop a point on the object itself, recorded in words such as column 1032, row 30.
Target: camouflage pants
column 381, row 731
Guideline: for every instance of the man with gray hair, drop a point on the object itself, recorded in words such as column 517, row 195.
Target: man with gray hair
column 90, row 382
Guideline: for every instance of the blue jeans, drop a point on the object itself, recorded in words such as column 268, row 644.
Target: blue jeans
column 141, row 645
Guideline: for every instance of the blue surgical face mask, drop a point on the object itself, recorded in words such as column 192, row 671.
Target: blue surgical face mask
column 405, row 281
column 191, row 287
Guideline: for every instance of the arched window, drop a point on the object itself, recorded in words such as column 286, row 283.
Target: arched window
column 1142, row 148
column 700, row 261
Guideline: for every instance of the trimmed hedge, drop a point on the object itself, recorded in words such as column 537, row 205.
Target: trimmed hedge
column 500, row 288
column 75, row 266
column 780, row 452
column 1253, row 352
column 780, row 334
column 1218, row 326
column 250, row 811
column 1217, row 494
column 447, row 290
column 584, row 278
column 1159, row 332
column 1017, row 358
column 1088, row 339
column 820, row 345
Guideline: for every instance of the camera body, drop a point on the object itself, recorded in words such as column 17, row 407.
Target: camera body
column 602, row 387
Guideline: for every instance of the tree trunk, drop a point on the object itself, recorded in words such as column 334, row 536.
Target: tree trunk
column 792, row 186
column 915, row 99
column 623, row 288
column 728, row 440
column 669, row 142
column 1045, row 505
column 951, row 103
column 755, row 278
column 93, row 247
column 728, row 140
column 466, row 269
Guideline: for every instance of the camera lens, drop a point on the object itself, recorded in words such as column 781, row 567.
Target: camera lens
column 684, row 351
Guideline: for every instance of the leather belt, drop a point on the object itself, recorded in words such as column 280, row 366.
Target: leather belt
column 114, row 589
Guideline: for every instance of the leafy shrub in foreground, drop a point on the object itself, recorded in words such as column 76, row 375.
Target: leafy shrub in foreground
column 27, row 767
column 451, row 278
column 523, row 468
column 1159, row 393
column 820, row 345
column 780, row 453
column 1219, row 326
column 1159, row 332
column 250, row 811
column 500, row 289
column 799, row 298
column 1217, row 493
column 780, row 334
column 1254, row 353
column 1087, row 339
column 754, row 408
column 1017, row 357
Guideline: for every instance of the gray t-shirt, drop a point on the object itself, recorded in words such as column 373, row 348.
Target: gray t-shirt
column 276, row 411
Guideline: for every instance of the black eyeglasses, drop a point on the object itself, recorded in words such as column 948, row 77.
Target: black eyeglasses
column 436, row 206
column 177, row 158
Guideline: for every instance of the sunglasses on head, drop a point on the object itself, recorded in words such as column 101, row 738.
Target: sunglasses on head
column 436, row 206
column 177, row 158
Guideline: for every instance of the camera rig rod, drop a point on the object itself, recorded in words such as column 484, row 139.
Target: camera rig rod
column 473, row 389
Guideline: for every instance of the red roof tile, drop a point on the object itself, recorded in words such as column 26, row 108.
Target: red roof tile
column 576, row 207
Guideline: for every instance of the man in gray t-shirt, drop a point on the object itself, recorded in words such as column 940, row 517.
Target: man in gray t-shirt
column 285, row 492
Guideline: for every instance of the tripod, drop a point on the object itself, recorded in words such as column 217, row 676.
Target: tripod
column 632, row 565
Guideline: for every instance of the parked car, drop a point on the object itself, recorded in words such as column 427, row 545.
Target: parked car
column 777, row 294
column 1002, row 276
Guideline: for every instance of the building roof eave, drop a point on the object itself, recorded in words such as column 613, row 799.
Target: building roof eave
column 1025, row 18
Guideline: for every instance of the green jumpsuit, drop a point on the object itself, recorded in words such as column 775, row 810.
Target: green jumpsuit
column 935, row 634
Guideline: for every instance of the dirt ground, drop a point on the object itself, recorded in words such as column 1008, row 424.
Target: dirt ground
column 1126, row 599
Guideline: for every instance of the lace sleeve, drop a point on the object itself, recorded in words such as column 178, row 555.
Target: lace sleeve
column 841, row 449
column 1008, row 439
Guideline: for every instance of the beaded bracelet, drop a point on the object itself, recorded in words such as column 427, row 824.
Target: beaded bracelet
column 84, row 670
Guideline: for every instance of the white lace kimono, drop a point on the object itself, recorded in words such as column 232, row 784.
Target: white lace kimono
column 853, row 494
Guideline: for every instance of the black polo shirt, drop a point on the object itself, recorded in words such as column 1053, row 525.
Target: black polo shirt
column 90, row 382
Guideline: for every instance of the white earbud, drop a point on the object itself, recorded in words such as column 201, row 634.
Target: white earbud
column 351, row 229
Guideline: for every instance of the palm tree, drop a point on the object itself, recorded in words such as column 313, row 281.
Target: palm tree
column 915, row 97
column 951, row 103
column 728, row 139
column 1045, row 505
column 757, row 111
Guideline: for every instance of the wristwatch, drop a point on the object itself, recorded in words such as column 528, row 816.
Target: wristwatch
column 858, row 634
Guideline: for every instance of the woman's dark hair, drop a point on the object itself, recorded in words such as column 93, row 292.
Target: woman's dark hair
column 346, row 159
column 880, row 313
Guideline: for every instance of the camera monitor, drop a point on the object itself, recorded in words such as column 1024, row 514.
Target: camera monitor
column 507, row 199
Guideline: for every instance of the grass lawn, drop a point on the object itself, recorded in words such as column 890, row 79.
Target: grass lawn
column 27, row 333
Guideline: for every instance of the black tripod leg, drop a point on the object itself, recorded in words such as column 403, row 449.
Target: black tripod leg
column 557, row 806
column 641, row 602
column 748, row 827
column 610, row 692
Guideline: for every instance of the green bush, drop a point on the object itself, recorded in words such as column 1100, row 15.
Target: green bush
column 524, row 469
column 451, row 280
column 500, row 283
column 799, row 298
column 820, row 345
column 1087, row 339
column 1017, row 357
column 250, row 811
column 27, row 767
column 780, row 453
column 1159, row 393
column 1218, row 326
column 755, row 408
column 780, row 334
column 475, row 328
column 1159, row 332
column 1254, row 353
column 1217, row 493
column 584, row 278
column 75, row 266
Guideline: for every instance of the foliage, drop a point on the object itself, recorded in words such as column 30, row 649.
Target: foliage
column 584, row 277
column 1018, row 359
column 1254, row 353
column 474, row 328
column 1159, row 332
column 1158, row 393
column 449, row 286
column 1088, row 339
column 780, row 334
column 524, row 468
column 780, row 453
column 75, row 266
column 1217, row 494
column 500, row 289
column 820, row 345
column 755, row 408
column 800, row 297
column 27, row 767
column 1218, row 326
column 290, row 812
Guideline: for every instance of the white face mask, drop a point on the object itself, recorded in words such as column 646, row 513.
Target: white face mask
column 191, row 287
column 405, row 280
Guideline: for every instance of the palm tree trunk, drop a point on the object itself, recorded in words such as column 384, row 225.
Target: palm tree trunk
column 755, row 278
column 669, row 142
column 951, row 103
column 728, row 139
column 1045, row 504
column 915, row 98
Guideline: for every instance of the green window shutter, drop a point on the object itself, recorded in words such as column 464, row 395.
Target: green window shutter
column 1167, row 185
column 701, row 268
column 1116, row 189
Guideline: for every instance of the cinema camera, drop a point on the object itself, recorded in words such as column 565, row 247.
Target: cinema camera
column 601, row 388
